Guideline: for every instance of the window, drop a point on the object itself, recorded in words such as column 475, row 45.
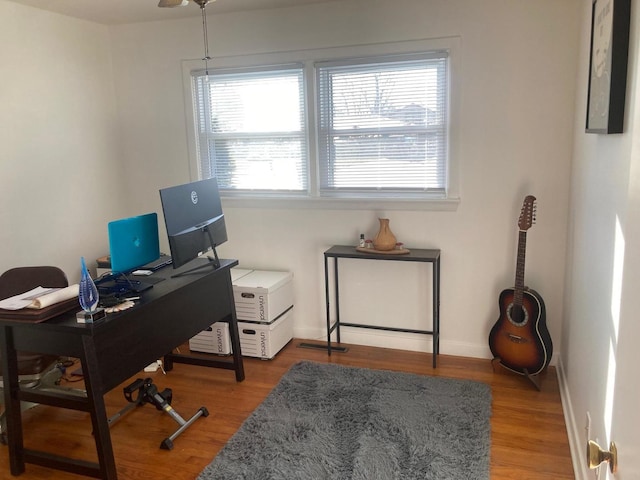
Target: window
column 383, row 126
column 366, row 122
column 251, row 133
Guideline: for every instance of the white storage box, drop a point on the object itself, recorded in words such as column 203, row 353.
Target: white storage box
column 261, row 299
column 262, row 296
column 214, row 339
column 264, row 340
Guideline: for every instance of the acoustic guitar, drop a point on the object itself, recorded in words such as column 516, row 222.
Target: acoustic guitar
column 520, row 339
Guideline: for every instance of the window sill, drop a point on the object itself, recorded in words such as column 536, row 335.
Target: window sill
column 294, row 202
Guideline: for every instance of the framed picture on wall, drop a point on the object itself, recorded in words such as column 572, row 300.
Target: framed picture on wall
column 608, row 66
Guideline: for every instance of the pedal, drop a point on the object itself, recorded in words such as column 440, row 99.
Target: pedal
column 137, row 385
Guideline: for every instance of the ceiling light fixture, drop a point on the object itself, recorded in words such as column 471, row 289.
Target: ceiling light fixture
column 173, row 3
column 203, row 4
column 206, row 58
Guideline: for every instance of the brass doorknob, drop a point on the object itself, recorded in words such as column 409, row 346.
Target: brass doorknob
column 596, row 455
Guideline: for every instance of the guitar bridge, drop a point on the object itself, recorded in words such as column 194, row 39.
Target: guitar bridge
column 516, row 338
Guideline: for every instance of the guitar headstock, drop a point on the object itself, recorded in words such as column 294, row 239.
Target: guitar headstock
column 527, row 213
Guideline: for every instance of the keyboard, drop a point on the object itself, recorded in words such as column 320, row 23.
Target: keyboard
column 121, row 286
column 163, row 261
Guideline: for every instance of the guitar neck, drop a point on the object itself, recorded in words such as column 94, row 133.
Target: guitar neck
column 519, row 284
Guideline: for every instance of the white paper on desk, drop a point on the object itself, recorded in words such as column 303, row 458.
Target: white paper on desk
column 39, row 297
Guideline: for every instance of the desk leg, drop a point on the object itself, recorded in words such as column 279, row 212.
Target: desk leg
column 231, row 319
column 98, row 411
column 13, row 415
column 335, row 276
column 235, row 336
column 436, row 310
column 327, row 303
column 237, row 352
column 336, row 325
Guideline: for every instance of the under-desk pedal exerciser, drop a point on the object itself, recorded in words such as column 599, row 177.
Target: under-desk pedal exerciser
column 147, row 392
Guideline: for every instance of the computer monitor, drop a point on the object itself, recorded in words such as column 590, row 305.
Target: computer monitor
column 133, row 242
column 194, row 220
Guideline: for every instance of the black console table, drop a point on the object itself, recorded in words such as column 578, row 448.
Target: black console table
column 113, row 350
column 415, row 255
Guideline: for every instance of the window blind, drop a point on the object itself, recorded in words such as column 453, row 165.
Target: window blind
column 251, row 129
column 383, row 125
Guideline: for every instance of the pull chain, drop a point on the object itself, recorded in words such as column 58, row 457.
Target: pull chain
column 205, row 33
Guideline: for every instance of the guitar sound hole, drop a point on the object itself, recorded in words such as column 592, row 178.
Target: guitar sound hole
column 517, row 314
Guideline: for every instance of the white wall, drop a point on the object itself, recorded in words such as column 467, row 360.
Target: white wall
column 89, row 156
column 518, row 64
column 92, row 122
column 60, row 171
column 598, row 365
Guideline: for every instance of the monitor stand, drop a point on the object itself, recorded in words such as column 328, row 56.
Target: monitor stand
column 213, row 262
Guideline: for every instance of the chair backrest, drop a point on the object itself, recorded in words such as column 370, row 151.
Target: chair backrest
column 22, row 279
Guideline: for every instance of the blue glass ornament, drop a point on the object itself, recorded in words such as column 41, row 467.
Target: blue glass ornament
column 88, row 294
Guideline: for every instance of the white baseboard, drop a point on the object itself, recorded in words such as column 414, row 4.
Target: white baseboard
column 399, row 340
column 402, row 341
column 575, row 432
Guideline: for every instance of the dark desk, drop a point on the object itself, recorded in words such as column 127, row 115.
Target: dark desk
column 113, row 350
column 415, row 255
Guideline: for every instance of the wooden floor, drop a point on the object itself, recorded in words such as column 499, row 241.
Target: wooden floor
column 529, row 438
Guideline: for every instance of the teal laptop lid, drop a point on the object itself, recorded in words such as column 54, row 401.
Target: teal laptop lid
column 133, row 242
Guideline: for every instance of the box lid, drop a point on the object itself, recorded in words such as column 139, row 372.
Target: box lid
column 262, row 279
column 237, row 273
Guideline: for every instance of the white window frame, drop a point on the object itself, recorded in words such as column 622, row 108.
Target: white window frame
column 308, row 57
column 208, row 139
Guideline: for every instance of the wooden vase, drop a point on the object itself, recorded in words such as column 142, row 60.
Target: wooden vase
column 385, row 239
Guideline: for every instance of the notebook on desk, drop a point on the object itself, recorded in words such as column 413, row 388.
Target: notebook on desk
column 163, row 261
column 133, row 242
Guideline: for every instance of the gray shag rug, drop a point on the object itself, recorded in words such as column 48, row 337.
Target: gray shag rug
column 326, row 421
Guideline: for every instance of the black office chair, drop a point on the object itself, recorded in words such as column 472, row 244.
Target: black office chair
column 35, row 370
